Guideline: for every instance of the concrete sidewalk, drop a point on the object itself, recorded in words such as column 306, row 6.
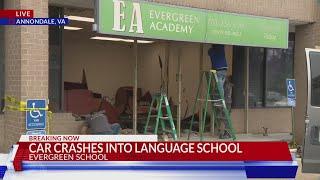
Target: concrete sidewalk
column 305, row 176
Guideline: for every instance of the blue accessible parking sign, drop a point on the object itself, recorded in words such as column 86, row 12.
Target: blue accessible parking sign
column 291, row 92
column 36, row 119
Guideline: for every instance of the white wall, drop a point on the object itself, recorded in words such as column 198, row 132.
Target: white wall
column 108, row 65
column 149, row 73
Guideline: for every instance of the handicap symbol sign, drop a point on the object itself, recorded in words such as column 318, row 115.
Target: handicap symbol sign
column 291, row 92
column 36, row 119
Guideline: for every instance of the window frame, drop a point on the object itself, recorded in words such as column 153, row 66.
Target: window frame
column 291, row 38
column 60, row 12
column 265, row 78
column 263, row 83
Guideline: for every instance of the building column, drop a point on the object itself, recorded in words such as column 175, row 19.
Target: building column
column 26, row 64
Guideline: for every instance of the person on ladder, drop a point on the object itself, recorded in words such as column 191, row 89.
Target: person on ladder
column 219, row 63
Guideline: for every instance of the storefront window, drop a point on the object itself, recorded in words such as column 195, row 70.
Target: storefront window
column 268, row 71
column 55, row 62
column 238, row 77
column 315, row 78
column 256, row 77
column 2, row 75
column 279, row 67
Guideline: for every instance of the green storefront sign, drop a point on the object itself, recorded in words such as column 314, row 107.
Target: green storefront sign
column 158, row 21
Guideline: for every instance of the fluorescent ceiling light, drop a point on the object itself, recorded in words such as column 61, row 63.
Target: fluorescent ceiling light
column 79, row 18
column 145, row 42
column 72, row 28
column 120, row 39
column 111, row 39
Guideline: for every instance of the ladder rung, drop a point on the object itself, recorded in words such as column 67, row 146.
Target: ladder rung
column 154, row 116
column 218, row 105
column 164, row 117
column 211, row 100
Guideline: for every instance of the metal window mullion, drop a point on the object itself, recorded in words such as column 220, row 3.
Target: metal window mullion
column 135, row 89
column 247, row 78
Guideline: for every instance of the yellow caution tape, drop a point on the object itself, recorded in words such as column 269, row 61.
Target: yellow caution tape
column 13, row 100
column 21, row 106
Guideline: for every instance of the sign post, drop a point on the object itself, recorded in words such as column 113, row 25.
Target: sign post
column 36, row 116
column 291, row 98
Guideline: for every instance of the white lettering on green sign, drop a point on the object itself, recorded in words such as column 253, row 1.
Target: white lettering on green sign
column 176, row 21
column 136, row 19
column 158, row 21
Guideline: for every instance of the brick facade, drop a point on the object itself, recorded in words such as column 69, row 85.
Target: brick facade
column 295, row 10
column 64, row 123
column 304, row 39
column 2, row 140
column 26, row 55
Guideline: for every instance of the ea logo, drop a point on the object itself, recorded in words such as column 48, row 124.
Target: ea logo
column 119, row 16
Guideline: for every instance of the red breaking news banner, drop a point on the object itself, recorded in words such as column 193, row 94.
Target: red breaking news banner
column 151, row 151
column 21, row 13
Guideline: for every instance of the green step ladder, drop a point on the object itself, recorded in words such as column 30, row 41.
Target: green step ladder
column 216, row 102
column 159, row 99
